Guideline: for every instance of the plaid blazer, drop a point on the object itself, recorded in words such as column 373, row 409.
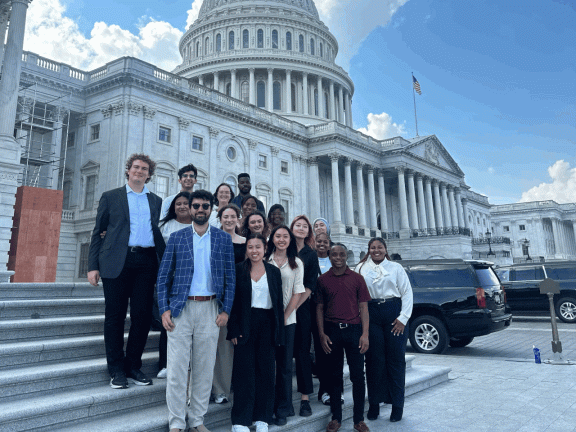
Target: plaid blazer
column 177, row 268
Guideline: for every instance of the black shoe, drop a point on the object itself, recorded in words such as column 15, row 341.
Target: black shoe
column 305, row 410
column 291, row 413
column 118, row 380
column 396, row 414
column 280, row 421
column 138, row 377
column 373, row 412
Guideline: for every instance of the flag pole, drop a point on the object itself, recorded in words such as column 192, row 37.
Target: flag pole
column 414, row 97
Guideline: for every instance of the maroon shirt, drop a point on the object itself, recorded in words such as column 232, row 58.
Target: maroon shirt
column 341, row 296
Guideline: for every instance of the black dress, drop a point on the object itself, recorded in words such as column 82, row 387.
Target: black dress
column 239, row 252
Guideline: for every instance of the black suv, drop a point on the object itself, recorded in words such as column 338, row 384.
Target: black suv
column 454, row 301
column 522, row 284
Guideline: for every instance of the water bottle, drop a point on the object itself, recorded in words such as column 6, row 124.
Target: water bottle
column 537, row 359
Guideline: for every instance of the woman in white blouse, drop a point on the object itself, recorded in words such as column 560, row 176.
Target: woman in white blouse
column 390, row 310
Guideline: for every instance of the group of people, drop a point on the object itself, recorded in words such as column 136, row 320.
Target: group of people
column 240, row 294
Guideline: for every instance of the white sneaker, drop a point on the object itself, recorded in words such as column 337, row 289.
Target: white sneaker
column 220, row 398
column 240, row 428
column 162, row 374
column 326, row 399
column 261, row 426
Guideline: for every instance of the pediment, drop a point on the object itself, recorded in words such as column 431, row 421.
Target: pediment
column 432, row 151
column 90, row 165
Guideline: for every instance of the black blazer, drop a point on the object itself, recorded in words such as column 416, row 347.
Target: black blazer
column 109, row 254
column 239, row 322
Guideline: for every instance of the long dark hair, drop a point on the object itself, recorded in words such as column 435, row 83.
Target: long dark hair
column 216, row 203
column 291, row 252
column 172, row 209
column 372, row 240
column 246, row 198
column 247, row 264
column 309, row 240
column 245, row 231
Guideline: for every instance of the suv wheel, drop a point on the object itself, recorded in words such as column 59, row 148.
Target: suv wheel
column 428, row 335
column 460, row 342
column 566, row 309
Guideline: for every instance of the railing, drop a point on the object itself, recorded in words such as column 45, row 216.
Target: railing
column 167, row 76
column 67, row 215
column 77, row 74
column 390, row 235
column 493, row 240
column 48, row 64
column 361, row 232
column 99, row 73
column 442, row 231
column 348, row 230
column 372, row 233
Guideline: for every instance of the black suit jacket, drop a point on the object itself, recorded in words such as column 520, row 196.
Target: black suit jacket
column 109, row 254
column 239, row 322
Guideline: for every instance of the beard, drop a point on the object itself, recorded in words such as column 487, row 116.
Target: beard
column 200, row 219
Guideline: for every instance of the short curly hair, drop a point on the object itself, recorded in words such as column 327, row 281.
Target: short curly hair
column 144, row 158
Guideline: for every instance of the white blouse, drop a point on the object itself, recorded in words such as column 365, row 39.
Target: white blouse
column 292, row 283
column 171, row 226
column 261, row 294
column 386, row 280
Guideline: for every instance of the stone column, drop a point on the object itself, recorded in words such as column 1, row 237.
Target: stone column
column 459, row 208
column 361, row 198
column 320, row 98
column 217, row 81
column 305, row 93
column 315, row 188
column 335, row 189
column 404, row 226
column 421, row 203
column 4, row 17
column 10, row 166
column 233, row 91
column 372, row 199
column 465, row 212
column 252, row 84
column 270, row 90
column 288, row 90
column 412, row 201
column 349, row 194
column 429, row 204
column 447, row 220
column 556, row 235
column 453, row 212
column 382, row 196
column 58, row 115
column 201, row 80
column 331, row 104
column 350, row 111
column 341, row 105
column 348, row 121
column 438, row 205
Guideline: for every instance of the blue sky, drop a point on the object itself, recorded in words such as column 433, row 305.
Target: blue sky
column 498, row 78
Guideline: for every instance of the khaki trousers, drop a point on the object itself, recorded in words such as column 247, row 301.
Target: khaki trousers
column 223, row 367
column 192, row 342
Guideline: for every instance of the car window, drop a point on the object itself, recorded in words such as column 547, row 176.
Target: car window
column 503, row 274
column 487, row 277
column 440, row 276
column 527, row 273
column 561, row 273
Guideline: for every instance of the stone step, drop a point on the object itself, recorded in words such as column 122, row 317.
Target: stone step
column 36, row 309
column 45, row 352
column 42, row 291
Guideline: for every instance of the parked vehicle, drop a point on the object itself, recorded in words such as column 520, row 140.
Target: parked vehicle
column 454, row 301
column 522, row 285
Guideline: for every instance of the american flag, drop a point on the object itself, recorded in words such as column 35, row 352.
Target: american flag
column 416, row 85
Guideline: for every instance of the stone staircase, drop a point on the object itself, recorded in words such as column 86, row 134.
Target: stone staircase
column 53, row 374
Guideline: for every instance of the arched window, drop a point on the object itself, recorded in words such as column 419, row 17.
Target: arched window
column 231, row 40
column 277, row 92
column 261, row 94
column 293, row 91
column 312, row 46
column 197, row 49
column 245, row 92
column 289, row 41
column 275, row 39
column 321, row 50
column 218, row 42
column 206, row 42
column 231, row 181
column 245, row 39
column 228, row 89
column 326, row 101
column 260, row 38
column 315, row 102
column 301, row 43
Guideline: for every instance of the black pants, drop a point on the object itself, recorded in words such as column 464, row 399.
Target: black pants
column 253, row 372
column 302, row 344
column 156, row 325
column 283, row 400
column 346, row 340
column 322, row 371
column 386, row 358
column 135, row 284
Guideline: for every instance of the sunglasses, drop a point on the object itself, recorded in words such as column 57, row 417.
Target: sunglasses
column 191, row 176
column 205, row 206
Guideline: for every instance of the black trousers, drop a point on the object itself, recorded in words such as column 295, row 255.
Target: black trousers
column 283, row 400
column 322, row 371
column 346, row 340
column 253, row 372
column 302, row 344
column 134, row 285
column 157, row 326
column 386, row 358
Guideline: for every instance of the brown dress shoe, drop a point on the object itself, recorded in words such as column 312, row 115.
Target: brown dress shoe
column 333, row 426
column 361, row 427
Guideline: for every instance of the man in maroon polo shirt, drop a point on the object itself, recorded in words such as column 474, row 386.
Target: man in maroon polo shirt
column 342, row 315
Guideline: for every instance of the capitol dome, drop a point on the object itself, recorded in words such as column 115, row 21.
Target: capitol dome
column 275, row 54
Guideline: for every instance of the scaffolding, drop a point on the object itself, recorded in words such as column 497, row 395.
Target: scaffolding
column 42, row 130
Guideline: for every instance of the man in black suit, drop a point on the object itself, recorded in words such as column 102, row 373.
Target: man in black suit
column 126, row 259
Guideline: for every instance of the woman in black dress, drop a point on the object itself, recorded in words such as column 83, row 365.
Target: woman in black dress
column 255, row 223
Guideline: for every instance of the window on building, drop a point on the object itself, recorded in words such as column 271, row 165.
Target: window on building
column 524, row 249
column 321, row 50
column 293, row 91
column 289, row 41
column 164, row 134
column 260, row 94
column 260, row 38
column 71, row 139
column 506, row 228
column 275, row 39
column 522, row 227
column 231, row 153
column 228, row 89
column 262, row 161
column 315, row 102
column 245, row 89
column 301, row 43
column 197, row 49
column 197, row 143
column 277, row 92
column 83, row 261
column 286, row 204
column 231, row 181
column 66, row 190
column 89, row 192
column 284, row 167
column 206, row 44
column 95, row 132
column 231, row 40
column 245, row 39
column 326, row 109
column 218, row 42
column 312, row 46
column 162, row 186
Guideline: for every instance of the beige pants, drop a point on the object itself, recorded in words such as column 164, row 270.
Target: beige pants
column 223, row 366
column 193, row 341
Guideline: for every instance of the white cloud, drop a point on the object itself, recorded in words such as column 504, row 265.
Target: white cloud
column 380, row 126
column 562, row 189
column 51, row 34
column 193, row 13
column 491, row 170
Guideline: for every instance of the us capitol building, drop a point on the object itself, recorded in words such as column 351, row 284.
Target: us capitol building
column 258, row 91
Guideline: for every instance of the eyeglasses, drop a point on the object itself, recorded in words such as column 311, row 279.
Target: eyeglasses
column 205, row 206
column 190, row 176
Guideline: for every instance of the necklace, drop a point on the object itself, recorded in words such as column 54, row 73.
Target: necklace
column 280, row 263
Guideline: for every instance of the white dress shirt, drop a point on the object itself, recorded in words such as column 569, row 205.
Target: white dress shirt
column 261, row 294
column 292, row 283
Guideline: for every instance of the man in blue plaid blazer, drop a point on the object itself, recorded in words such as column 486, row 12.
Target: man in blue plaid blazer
column 196, row 284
